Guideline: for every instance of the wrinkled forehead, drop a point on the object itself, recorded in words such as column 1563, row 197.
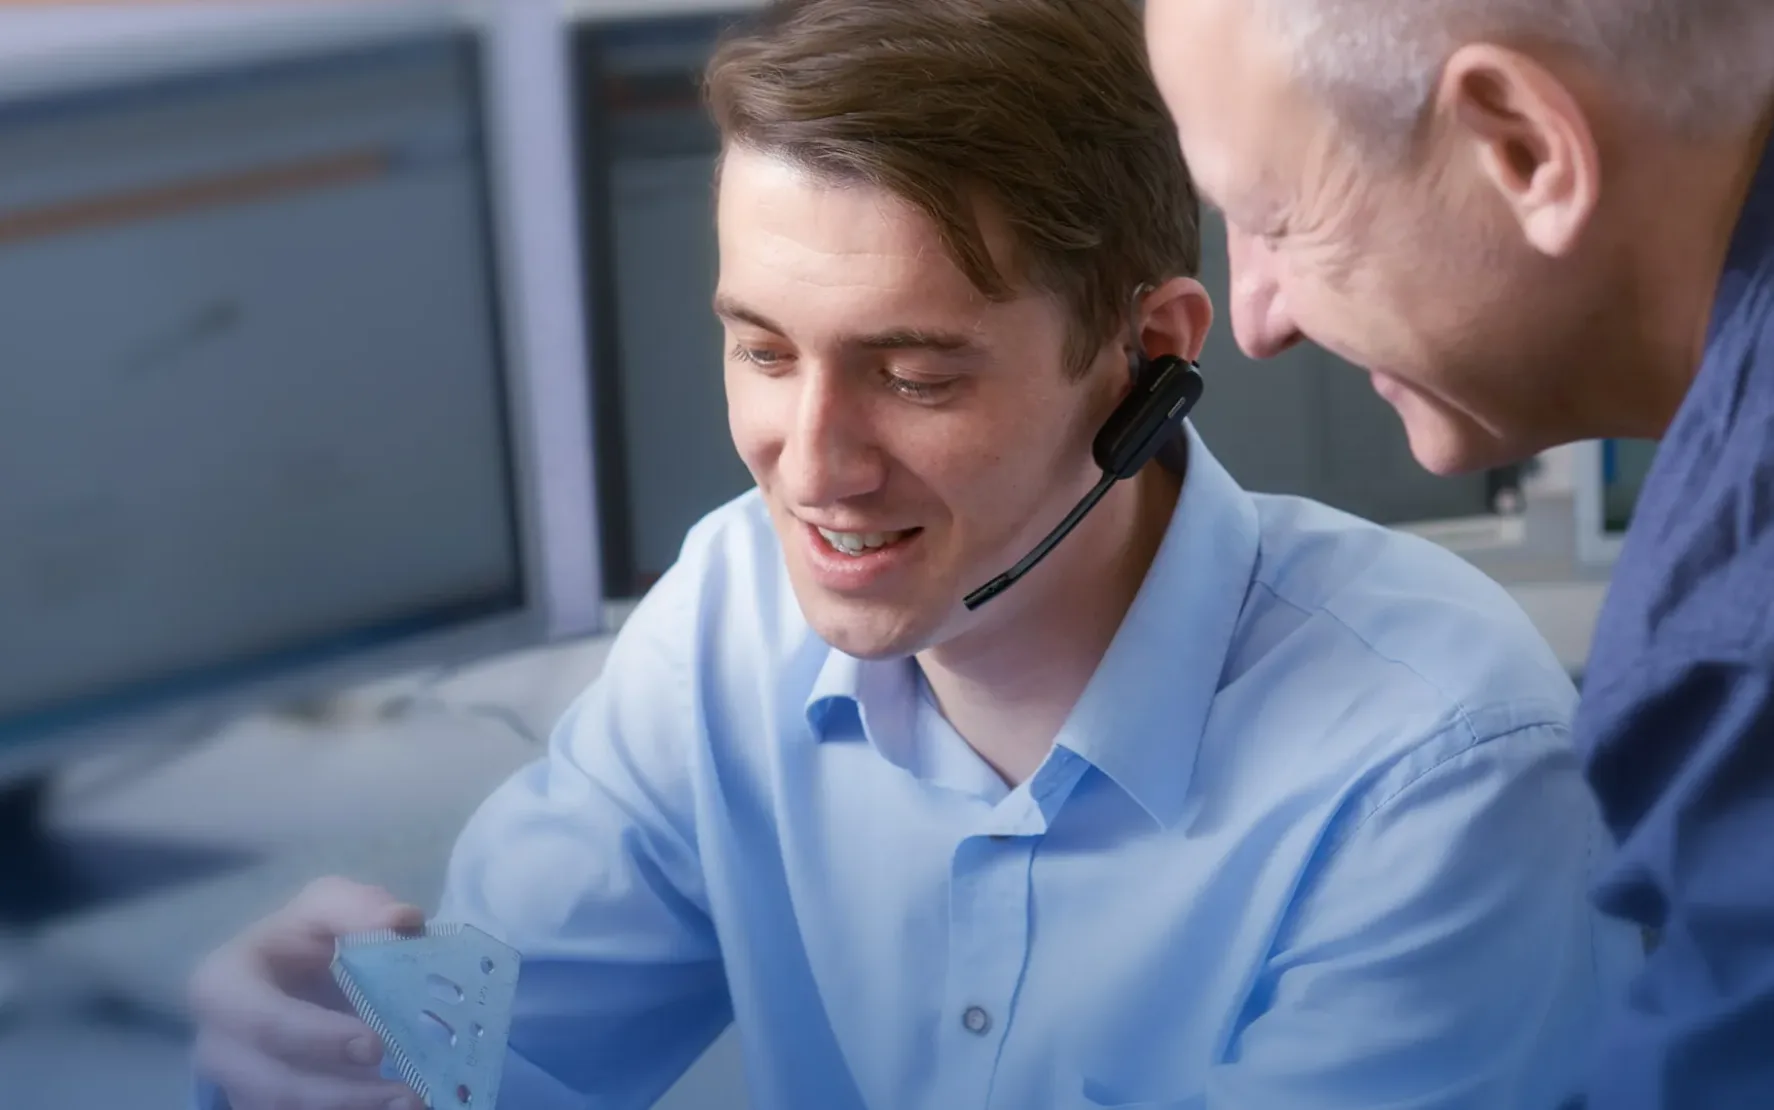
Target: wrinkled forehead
column 1226, row 79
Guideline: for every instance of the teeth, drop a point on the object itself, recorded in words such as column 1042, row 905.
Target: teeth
column 855, row 543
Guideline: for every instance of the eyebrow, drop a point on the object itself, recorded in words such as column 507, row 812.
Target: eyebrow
column 891, row 339
column 729, row 309
column 915, row 339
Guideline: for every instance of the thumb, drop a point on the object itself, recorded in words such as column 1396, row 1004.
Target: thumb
column 305, row 931
column 334, row 907
column 402, row 917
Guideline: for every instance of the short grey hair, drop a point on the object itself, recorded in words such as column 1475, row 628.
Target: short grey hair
column 1701, row 67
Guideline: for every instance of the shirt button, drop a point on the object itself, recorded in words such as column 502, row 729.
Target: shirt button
column 976, row 1020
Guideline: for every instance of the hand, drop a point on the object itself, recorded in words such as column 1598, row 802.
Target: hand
column 274, row 1031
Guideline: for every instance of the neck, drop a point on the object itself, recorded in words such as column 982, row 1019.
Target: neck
column 1683, row 214
column 1008, row 686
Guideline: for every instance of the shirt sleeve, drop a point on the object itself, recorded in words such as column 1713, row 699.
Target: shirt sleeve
column 1688, row 775
column 1444, row 953
column 587, row 863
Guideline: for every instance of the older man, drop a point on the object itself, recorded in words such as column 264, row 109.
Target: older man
column 1537, row 222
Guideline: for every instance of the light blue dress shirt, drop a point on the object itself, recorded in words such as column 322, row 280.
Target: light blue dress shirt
column 1313, row 837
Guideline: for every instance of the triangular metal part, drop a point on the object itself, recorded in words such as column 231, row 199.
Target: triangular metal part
column 441, row 999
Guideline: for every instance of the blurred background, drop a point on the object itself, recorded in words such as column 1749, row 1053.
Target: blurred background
column 357, row 374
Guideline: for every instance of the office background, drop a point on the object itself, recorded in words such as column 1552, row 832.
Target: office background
column 378, row 340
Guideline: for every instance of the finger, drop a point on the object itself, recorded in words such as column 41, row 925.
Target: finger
column 296, row 945
column 238, row 1001
column 252, row 1081
column 216, row 1055
column 333, row 907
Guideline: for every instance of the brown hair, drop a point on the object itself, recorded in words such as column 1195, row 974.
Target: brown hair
column 1044, row 109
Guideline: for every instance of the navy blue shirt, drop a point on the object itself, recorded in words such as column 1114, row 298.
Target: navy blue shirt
column 1677, row 722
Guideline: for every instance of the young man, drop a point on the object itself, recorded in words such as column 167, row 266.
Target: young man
column 1234, row 801
column 1537, row 223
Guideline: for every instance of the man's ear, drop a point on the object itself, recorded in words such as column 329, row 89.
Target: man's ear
column 1174, row 319
column 1529, row 136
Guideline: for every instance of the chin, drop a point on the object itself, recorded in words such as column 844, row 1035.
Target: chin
column 865, row 629
column 1449, row 449
column 1445, row 456
column 1447, row 443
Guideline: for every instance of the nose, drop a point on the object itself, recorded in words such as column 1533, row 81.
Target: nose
column 1260, row 319
column 830, row 455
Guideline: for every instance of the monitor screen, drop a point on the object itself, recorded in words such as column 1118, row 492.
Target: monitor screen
column 253, row 411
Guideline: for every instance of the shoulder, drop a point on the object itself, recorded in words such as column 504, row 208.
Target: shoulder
column 1404, row 654
column 1409, row 609
column 1693, row 574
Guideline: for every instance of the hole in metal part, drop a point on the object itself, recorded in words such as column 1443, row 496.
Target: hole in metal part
column 463, row 1095
column 486, row 965
column 439, row 1028
column 442, row 989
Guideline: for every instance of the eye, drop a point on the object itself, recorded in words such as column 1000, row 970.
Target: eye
column 761, row 357
column 925, row 392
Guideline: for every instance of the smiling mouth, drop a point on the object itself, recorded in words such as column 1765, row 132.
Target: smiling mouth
column 858, row 544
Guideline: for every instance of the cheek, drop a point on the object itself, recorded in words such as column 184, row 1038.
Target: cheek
column 975, row 486
column 1357, row 277
column 1358, row 305
column 753, row 420
column 997, row 494
column 953, row 466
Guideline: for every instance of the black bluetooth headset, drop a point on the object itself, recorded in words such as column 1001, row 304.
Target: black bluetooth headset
column 1165, row 389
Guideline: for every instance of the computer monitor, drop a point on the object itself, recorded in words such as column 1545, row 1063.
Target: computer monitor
column 294, row 389
column 647, row 162
column 1608, row 475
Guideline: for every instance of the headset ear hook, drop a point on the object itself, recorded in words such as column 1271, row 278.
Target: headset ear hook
column 1137, row 359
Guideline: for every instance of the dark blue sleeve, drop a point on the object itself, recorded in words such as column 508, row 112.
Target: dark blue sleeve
column 1687, row 765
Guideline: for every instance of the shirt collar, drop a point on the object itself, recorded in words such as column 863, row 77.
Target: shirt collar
column 1140, row 719
column 874, row 699
column 1750, row 241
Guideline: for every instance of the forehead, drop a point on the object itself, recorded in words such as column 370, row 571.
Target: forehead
column 810, row 241
column 1224, row 77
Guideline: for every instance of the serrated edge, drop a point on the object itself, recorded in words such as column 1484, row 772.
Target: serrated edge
column 409, row 1072
column 374, row 936
column 395, row 936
